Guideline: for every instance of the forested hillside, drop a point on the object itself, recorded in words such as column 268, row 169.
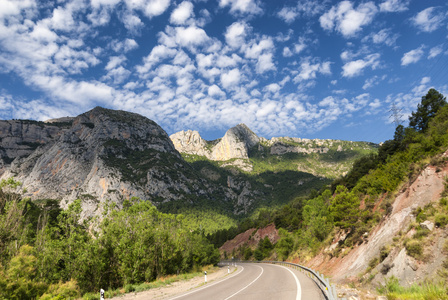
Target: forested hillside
column 354, row 204
column 48, row 253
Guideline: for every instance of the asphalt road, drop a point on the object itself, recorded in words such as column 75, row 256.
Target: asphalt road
column 257, row 282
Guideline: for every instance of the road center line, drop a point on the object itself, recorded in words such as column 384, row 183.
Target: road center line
column 262, row 270
column 299, row 287
column 208, row 285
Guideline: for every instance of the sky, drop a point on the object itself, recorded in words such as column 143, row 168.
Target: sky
column 298, row 68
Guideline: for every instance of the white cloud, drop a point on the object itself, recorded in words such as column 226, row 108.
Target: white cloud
column 347, row 20
column 254, row 49
column 250, row 7
column 158, row 54
column 231, row 78
column 124, row 46
column 236, row 34
column 287, row 52
column 435, row 51
column 384, row 36
column 394, row 5
column 288, row 14
column 215, row 91
column 306, row 8
column 309, row 70
column 412, row 56
column 132, row 22
column 429, row 19
column 182, row 13
column 191, row 36
column 13, row 8
column 265, row 63
column 151, row 8
column 355, row 68
column 371, row 82
column 62, row 19
column 375, row 104
column 115, row 61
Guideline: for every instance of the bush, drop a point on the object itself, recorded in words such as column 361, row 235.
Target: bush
column 129, row 288
column 414, row 248
column 441, row 220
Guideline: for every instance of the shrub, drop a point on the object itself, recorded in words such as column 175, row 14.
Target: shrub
column 414, row 248
column 441, row 220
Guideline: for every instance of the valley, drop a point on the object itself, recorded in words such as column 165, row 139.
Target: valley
column 113, row 184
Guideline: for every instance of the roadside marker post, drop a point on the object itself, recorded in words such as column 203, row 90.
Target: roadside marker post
column 205, row 274
column 101, row 294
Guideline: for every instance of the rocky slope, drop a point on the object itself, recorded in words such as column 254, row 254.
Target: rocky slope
column 383, row 252
column 107, row 155
column 115, row 155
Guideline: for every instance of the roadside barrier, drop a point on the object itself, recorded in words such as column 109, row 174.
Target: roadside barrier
column 328, row 289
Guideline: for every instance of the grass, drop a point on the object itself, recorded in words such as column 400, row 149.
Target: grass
column 161, row 282
column 424, row 291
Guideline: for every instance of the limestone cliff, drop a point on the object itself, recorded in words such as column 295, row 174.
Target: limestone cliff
column 105, row 155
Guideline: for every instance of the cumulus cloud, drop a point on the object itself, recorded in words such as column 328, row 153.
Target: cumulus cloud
column 384, row 36
column 371, row 82
column 394, row 5
column 236, row 33
column 150, row 8
column 435, row 51
column 124, row 46
column 215, row 91
column 429, row 19
column 242, row 7
column 288, row 14
column 412, row 56
column 310, row 68
column 304, row 8
column 132, row 22
column 356, row 67
column 348, row 20
column 182, row 13
column 231, row 78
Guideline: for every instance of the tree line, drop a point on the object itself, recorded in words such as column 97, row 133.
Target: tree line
column 50, row 253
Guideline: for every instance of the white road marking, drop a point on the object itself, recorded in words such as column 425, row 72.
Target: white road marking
column 208, row 285
column 262, row 270
column 299, row 287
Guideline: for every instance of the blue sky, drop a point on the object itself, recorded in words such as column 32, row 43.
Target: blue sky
column 302, row 68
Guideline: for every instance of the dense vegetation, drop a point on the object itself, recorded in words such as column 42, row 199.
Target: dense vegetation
column 47, row 252
column 350, row 204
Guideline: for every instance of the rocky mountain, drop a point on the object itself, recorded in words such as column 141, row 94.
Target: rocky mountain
column 242, row 148
column 115, row 155
column 107, row 155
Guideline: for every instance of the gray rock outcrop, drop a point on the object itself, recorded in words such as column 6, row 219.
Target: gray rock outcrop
column 104, row 155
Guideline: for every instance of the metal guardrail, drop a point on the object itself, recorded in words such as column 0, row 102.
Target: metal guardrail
column 328, row 289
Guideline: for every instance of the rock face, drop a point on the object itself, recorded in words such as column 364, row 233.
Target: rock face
column 427, row 188
column 190, row 142
column 105, row 155
column 235, row 144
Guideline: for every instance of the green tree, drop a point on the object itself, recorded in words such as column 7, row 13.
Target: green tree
column 21, row 281
column 317, row 218
column 345, row 207
column 426, row 110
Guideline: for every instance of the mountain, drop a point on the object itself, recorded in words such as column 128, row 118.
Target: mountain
column 114, row 155
column 243, row 149
column 103, row 155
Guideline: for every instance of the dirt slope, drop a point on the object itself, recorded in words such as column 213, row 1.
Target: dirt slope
column 425, row 189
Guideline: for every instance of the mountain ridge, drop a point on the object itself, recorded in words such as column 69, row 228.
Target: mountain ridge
column 106, row 154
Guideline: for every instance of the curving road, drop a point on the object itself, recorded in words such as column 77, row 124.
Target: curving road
column 257, row 282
